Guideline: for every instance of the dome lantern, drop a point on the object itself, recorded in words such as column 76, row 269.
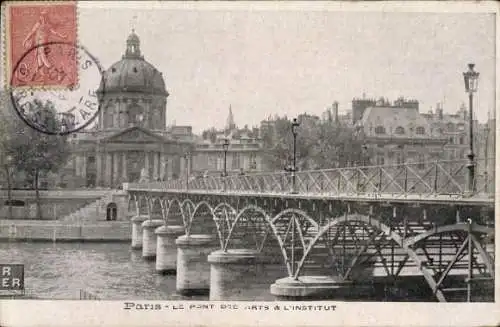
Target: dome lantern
column 133, row 49
column 132, row 73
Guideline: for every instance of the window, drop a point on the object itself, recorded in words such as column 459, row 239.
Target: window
column 379, row 130
column 399, row 130
column 461, row 140
column 91, row 159
column 136, row 115
column 450, row 140
column 450, row 127
column 420, row 130
column 461, row 127
column 253, row 161
column 15, row 203
column 235, row 162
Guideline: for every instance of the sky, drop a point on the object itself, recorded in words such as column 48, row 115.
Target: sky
column 268, row 61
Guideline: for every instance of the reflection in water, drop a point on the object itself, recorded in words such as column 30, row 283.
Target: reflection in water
column 112, row 271
column 109, row 270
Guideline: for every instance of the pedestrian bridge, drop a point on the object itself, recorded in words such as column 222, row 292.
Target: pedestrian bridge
column 348, row 225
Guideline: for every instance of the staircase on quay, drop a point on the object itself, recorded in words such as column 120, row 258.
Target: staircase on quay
column 92, row 212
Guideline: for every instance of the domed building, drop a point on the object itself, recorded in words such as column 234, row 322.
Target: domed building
column 130, row 140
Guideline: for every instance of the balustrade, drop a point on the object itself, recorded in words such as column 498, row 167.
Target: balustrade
column 409, row 179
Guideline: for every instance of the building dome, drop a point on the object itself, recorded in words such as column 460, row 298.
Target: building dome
column 132, row 73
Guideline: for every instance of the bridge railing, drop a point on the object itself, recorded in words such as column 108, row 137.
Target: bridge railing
column 420, row 178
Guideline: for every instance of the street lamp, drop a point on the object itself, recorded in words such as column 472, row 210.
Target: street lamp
column 186, row 158
column 471, row 80
column 225, row 146
column 364, row 155
column 295, row 126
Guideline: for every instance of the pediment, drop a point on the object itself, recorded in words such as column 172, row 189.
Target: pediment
column 135, row 135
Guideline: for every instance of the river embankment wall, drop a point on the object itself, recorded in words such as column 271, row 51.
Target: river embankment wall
column 55, row 231
column 54, row 204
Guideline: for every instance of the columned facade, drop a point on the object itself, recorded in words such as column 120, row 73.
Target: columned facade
column 130, row 141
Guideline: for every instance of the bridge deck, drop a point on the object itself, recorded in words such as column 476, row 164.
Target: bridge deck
column 451, row 199
column 439, row 182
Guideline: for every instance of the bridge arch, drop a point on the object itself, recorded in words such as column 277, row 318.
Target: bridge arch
column 367, row 221
column 410, row 247
column 155, row 207
column 198, row 219
column 132, row 205
column 171, row 216
column 224, row 215
column 143, row 204
column 251, row 227
column 295, row 229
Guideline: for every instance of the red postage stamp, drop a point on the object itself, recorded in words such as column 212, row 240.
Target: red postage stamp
column 35, row 35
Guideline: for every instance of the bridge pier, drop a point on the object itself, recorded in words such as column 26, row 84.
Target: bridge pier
column 137, row 231
column 166, row 252
column 149, row 238
column 232, row 272
column 311, row 288
column 193, row 269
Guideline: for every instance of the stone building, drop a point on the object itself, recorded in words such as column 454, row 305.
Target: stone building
column 395, row 133
column 130, row 140
column 454, row 128
column 244, row 153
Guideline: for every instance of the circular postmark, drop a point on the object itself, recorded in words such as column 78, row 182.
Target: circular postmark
column 53, row 88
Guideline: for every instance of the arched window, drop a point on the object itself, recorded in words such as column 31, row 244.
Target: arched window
column 420, row 130
column 399, row 130
column 111, row 211
column 135, row 115
column 379, row 130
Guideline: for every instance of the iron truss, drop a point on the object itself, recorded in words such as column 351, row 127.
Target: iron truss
column 335, row 227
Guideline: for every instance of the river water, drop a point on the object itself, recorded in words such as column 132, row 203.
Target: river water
column 111, row 271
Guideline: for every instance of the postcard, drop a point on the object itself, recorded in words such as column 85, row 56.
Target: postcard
column 248, row 163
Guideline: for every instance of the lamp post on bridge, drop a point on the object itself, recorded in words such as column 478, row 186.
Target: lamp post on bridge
column 486, row 139
column 295, row 127
column 471, row 81
column 186, row 158
column 225, row 147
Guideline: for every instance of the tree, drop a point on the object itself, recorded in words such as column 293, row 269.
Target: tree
column 5, row 160
column 36, row 153
column 321, row 144
column 210, row 134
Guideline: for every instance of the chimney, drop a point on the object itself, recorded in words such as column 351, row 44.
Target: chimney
column 335, row 109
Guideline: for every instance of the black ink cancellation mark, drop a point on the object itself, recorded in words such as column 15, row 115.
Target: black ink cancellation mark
column 70, row 102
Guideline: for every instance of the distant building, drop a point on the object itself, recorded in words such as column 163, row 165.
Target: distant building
column 396, row 133
column 452, row 127
column 130, row 140
column 244, row 153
